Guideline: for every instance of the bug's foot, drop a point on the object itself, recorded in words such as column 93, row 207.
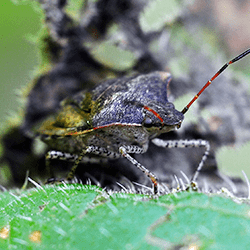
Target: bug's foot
column 53, row 180
column 192, row 186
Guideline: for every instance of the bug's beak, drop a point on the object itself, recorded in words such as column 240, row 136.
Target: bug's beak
column 178, row 125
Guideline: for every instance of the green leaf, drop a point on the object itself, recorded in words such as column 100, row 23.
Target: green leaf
column 86, row 217
column 113, row 57
column 74, row 8
column 231, row 156
column 158, row 13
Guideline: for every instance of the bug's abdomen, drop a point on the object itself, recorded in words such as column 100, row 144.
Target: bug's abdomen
column 117, row 135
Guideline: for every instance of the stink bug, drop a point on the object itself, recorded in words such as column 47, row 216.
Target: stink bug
column 119, row 117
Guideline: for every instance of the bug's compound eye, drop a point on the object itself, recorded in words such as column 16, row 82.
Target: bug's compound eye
column 148, row 122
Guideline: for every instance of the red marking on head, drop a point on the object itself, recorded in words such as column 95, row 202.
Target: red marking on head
column 155, row 113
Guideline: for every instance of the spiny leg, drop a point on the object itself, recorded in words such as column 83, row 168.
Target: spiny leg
column 72, row 172
column 124, row 150
column 77, row 158
column 187, row 144
column 51, row 155
column 49, row 170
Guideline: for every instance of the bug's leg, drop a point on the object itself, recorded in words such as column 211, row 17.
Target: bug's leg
column 135, row 149
column 187, row 144
column 78, row 159
column 68, row 157
column 51, row 155
column 48, row 166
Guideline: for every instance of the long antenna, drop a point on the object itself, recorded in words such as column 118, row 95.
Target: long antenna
column 215, row 76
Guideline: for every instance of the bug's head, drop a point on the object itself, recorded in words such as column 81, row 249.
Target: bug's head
column 161, row 118
column 159, row 114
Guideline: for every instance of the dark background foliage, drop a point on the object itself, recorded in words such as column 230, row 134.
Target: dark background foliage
column 191, row 42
